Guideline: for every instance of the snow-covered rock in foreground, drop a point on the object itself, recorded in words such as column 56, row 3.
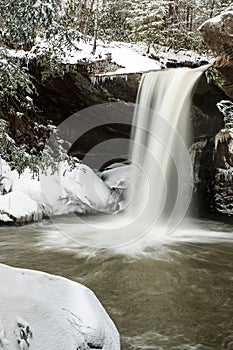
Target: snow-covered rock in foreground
column 40, row 311
column 18, row 207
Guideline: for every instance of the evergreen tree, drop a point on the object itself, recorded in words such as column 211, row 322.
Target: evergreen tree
column 113, row 23
column 80, row 15
column 173, row 23
column 22, row 21
column 146, row 18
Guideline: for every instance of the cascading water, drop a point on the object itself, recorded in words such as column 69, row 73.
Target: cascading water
column 160, row 175
column 162, row 171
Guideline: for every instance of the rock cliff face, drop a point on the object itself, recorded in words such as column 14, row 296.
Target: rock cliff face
column 217, row 34
column 223, row 158
column 78, row 89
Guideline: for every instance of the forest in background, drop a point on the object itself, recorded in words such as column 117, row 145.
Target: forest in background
column 59, row 25
column 163, row 22
column 172, row 23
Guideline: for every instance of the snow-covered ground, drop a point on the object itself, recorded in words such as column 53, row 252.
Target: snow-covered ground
column 130, row 57
column 39, row 311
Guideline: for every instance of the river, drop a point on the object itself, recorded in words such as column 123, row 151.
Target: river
column 171, row 294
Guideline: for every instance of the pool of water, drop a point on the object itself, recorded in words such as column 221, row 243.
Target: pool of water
column 170, row 293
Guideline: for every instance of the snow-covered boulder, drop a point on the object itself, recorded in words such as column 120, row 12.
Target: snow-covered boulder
column 26, row 198
column 217, row 34
column 117, row 177
column 18, row 207
column 40, row 311
column 67, row 190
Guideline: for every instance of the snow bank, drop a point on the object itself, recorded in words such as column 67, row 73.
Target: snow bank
column 119, row 178
column 19, row 207
column 68, row 190
column 131, row 57
column 40, row 311
column 117, row 175
column 78, row 190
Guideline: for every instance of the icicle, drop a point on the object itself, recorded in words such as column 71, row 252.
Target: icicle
column 225, row 175
column 93, row 80
column 226, row 108
column 221, row 137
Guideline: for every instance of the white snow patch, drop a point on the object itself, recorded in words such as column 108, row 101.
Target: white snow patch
column 19, row 206
column 166, row 55
column 5, row 218
column 217, row 20
column 130, row 57
column 117, row 176
column 39, row 311
column 132, row 61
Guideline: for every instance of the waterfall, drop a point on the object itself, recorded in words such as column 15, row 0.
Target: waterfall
column 162, row 169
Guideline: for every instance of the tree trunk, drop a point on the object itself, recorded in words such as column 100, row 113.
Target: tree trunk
column 187, row 16
column 85, row 29
column 191, row 20
column 212, row 9
column 96, row 26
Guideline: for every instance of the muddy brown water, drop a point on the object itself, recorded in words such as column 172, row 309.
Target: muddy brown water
column 171, row 295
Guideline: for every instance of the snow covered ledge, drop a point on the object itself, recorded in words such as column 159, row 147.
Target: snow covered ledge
column 39, row 311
